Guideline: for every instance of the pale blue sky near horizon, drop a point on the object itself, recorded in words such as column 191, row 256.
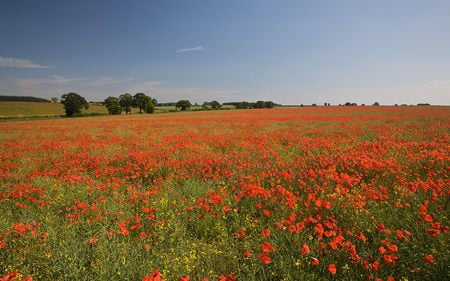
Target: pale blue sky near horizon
column 291, row 52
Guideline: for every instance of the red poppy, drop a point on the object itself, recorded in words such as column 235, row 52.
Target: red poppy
column 267, row 247
column 429, row 259
column 264, row 258
column 305, row 250
column 332, row 269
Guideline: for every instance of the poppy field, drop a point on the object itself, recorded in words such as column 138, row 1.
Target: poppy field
column 313, row 193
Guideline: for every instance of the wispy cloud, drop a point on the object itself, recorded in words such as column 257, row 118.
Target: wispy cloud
column 195, row 49
column 109, row 80
column 19, row 63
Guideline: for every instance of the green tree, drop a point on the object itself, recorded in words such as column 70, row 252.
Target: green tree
column 183, row 105
column 269, row 104
column 126, row 102
column 54, row 100
column 140, row 100
column 73, row 103
column 260, row 104
column 113, row 105
column 149, row 105
column 215, row 104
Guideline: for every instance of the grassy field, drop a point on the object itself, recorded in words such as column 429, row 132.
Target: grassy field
column 324, row 193
column 27, row 109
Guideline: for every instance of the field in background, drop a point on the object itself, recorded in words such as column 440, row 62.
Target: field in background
column 344, row 193
column 29, row 109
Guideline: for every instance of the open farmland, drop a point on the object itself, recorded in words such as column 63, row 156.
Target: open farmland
column 318, row 193
column 31, row 109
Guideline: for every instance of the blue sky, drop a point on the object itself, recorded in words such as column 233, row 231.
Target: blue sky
column 291, row 52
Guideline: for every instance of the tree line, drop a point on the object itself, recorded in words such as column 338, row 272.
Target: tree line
column 74, row 104
column 23, row 98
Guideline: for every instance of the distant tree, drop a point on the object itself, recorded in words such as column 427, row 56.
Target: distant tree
column 423, row 104
column 348, row 104
column 269, row 104
column 139, row 101
column 54, row 100
column 314, row 104
column 375, row 104
column 215, row 104
column 113, row 105
column 149, row 104
column 126, row 102
column 183, row 105
column 73, row 103
column 260, row 104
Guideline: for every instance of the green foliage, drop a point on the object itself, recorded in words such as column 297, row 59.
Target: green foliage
column 183, row 105
column 126, row 102
column 73, row 103
column 113, row 105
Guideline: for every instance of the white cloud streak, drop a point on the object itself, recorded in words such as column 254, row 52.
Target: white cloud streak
column 195, row 49
column 19, row 63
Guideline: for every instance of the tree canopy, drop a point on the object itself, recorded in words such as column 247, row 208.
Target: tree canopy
column 183, row 105
column 113, row 105
column 126, row 102
column 73, row 103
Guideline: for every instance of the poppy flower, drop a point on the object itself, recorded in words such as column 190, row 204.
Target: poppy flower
column 305, row 250
column 267, row 247
column 264, row 258
column 332, row 269
column 429, row 259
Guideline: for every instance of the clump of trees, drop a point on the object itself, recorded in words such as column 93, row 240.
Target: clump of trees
column 113, row 105
column 247, row 105
column 183, row 105
column 73, row 103
column 126, row 102
column 212, row 104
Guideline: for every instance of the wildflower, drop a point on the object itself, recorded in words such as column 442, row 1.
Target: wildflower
column 305, row 250
column 264, row 258
column 93, row 240
column 229, row 277
column 156, row 276
column 314, row 262
column 267, row 247
column 247, row 254
column 266, row 233
column 429, row 259
column 241, row 233
column 332, row 269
